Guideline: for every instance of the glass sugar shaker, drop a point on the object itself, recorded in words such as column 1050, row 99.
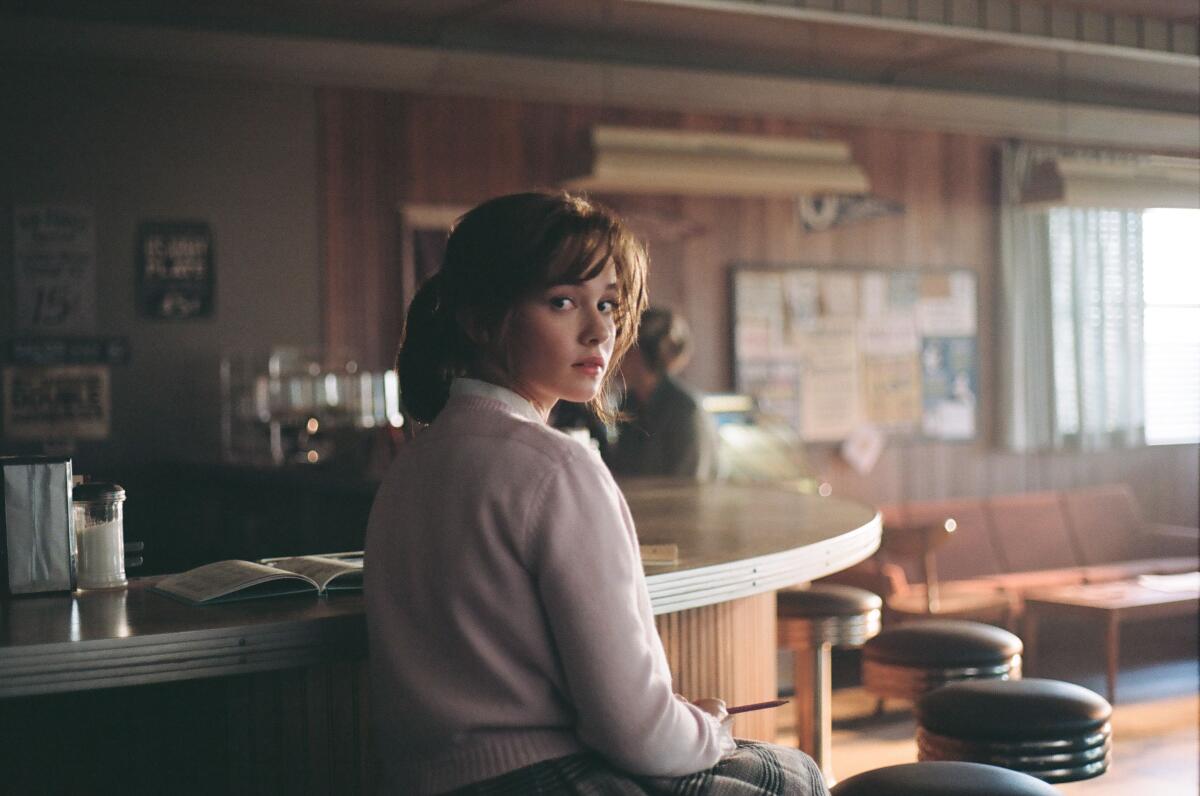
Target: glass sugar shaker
column 99, row 534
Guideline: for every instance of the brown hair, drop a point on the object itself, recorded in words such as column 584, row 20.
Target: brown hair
column 498, row 254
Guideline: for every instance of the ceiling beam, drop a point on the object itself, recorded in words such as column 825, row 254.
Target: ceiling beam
column 1019, row 24
column 432, row 70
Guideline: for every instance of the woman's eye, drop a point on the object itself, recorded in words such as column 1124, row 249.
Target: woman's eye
column 561, row 302
column 608, row 305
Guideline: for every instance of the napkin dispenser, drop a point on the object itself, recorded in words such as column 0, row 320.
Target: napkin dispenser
column 37, row 533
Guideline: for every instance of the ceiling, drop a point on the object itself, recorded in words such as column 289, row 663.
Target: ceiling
column 1133, row 55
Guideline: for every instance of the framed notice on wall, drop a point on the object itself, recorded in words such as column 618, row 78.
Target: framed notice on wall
column 58, row 402
column 175, row 269
column 832, row 350
column 54, row 267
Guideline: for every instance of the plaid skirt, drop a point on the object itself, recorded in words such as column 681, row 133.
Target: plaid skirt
column 755, row 769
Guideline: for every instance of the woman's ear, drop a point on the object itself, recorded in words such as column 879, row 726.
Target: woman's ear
column 475, row 331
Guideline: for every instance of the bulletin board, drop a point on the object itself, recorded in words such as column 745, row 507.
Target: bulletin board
column 832, row 350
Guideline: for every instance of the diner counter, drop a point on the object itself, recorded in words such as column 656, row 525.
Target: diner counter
column 273, row 695
column 734, row 542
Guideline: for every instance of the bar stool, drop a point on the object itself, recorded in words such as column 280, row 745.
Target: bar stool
column 910, row 660
column 942, row 779
column 811, row 622
column 1055, row 731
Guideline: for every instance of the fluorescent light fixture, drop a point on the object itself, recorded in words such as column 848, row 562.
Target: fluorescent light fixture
column 633, row 160
column 1136, row 182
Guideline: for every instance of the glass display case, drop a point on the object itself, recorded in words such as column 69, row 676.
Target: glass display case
column 758, row 446
column 300, row 406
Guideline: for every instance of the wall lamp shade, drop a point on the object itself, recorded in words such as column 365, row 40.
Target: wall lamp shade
column 1153, row 181
column 631, row 160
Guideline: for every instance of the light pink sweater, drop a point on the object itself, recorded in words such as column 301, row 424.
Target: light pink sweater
column 508, row 615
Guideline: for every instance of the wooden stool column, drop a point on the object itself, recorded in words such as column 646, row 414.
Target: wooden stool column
column 811, row 622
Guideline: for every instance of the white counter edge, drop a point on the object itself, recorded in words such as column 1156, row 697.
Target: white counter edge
column 695, row 588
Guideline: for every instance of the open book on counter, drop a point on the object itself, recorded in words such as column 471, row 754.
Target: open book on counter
column 227, row 581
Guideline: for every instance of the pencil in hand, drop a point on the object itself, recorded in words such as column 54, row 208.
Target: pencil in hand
column 774, row 703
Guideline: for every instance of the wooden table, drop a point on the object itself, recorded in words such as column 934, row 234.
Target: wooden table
column 272, row 695
column 1110, row 603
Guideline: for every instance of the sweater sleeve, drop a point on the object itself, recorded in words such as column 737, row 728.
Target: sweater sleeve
column 589, row 574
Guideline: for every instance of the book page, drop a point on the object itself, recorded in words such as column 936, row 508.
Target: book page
column 223, row 577
column 323, row 570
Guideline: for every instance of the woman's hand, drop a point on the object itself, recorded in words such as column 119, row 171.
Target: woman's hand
column 716, row 708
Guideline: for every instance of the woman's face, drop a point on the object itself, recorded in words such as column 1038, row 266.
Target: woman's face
column 561, row 341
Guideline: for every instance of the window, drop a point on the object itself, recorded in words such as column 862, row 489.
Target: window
column 1125, row 325
column 1171, row 326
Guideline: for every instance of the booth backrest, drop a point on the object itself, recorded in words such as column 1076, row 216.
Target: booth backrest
column 1104, row 522
column 970, row 551
column 1030, row 531
column 1033, row 540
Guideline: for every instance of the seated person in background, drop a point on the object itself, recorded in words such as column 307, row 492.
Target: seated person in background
column 667, row 432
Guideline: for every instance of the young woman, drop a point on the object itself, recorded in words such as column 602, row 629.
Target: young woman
column 512, row 644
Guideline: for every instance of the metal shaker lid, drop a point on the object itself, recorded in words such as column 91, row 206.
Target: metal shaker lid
column 97, row 492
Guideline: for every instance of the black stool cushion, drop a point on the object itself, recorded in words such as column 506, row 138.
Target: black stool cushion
column 827, row 600
column 1012, row 710
column 943, row 643
column 942, row 779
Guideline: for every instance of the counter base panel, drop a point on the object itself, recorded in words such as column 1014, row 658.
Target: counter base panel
column 297, row 730
column 726, row 650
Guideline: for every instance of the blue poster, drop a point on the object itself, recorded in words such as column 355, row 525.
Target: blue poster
column 949, row 387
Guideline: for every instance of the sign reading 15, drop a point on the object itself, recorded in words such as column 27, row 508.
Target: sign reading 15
column 53, row 304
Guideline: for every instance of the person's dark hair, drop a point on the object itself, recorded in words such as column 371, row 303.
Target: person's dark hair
column 498, row 254
column 663, row 339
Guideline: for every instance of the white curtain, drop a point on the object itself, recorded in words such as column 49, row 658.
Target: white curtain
column 1071, row 319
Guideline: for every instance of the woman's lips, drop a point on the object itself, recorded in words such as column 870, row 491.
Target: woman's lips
column 593, row 366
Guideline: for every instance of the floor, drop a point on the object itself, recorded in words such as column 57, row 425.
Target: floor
column 1156, row 718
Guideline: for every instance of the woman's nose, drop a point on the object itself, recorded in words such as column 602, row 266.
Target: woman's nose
column 599, row 327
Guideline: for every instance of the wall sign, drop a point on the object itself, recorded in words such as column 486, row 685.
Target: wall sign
column 53, row 403
column 176, row 269
column 54, row 259
column 44, row 350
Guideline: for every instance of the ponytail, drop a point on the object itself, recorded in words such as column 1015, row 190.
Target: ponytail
column 427, row 357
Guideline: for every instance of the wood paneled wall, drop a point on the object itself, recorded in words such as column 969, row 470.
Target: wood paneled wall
column 381, row 150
